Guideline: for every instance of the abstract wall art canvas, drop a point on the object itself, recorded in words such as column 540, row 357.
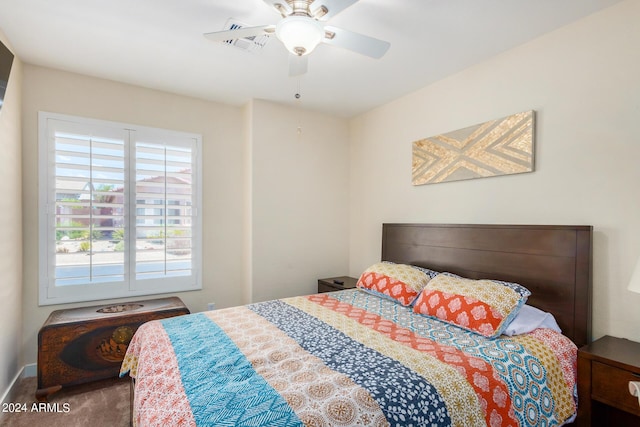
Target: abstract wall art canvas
column 498, row 147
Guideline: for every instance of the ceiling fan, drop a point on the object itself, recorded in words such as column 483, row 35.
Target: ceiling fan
column 302, row 28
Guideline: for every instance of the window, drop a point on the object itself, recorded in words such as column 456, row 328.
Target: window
column 119, row 210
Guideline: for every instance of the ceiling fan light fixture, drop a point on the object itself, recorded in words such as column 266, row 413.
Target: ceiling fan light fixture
column 300, row 34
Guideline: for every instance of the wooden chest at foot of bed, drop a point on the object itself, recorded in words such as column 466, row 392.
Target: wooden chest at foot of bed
column 81, row 345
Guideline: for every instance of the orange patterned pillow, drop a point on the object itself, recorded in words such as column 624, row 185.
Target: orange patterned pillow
column 399, row 282
column 485, row 307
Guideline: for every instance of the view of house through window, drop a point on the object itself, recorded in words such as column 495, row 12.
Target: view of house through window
column 119, row 213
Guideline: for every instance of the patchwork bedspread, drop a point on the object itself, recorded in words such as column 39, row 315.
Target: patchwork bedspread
column 344, row 358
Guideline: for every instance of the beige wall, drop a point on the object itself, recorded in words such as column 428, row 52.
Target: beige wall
column 275, row 214
column 281, row 211
column 299, row 200
column 11, row 227
column 582, row 80
column 223, row 204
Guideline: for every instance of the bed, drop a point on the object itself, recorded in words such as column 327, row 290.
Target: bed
column 359, row 357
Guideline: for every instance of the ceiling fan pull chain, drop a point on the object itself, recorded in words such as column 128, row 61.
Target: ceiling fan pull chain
column 298, row 97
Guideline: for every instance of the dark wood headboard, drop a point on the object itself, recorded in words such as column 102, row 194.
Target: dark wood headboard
column 552, row 261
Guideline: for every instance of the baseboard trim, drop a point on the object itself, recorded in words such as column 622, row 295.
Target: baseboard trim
column 26, row 372
column 30, row 370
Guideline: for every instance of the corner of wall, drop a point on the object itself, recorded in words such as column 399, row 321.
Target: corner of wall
column 247, row 159
column 11, row 289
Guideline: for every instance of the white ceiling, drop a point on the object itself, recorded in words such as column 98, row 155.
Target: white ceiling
column 159, row 44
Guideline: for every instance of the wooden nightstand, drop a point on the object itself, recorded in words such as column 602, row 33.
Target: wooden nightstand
column 332, row 284
column 605, row 368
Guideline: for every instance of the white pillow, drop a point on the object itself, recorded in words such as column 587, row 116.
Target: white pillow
column 530, row 318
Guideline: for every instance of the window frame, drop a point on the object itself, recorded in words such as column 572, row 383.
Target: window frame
column 49, row 293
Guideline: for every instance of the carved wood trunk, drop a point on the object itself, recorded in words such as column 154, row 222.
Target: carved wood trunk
column 81, row 345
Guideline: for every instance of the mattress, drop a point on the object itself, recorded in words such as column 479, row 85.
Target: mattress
column 344, row 358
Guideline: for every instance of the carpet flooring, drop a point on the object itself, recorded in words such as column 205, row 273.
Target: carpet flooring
column 103, row 403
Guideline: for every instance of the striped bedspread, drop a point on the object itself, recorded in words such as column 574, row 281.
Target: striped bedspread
column 343, row 358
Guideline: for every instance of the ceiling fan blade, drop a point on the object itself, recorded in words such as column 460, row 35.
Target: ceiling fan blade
column 298, row 65
column 356, row 42
column 332, row 7
column 220, row 36
column 281, row 6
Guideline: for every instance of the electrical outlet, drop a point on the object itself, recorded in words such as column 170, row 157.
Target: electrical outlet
column 211, row 306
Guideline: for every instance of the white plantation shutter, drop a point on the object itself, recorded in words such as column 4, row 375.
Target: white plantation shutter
column 164, row 205
column 119, row 210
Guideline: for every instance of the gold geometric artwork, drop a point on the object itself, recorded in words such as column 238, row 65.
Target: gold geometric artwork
column 497, row 147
